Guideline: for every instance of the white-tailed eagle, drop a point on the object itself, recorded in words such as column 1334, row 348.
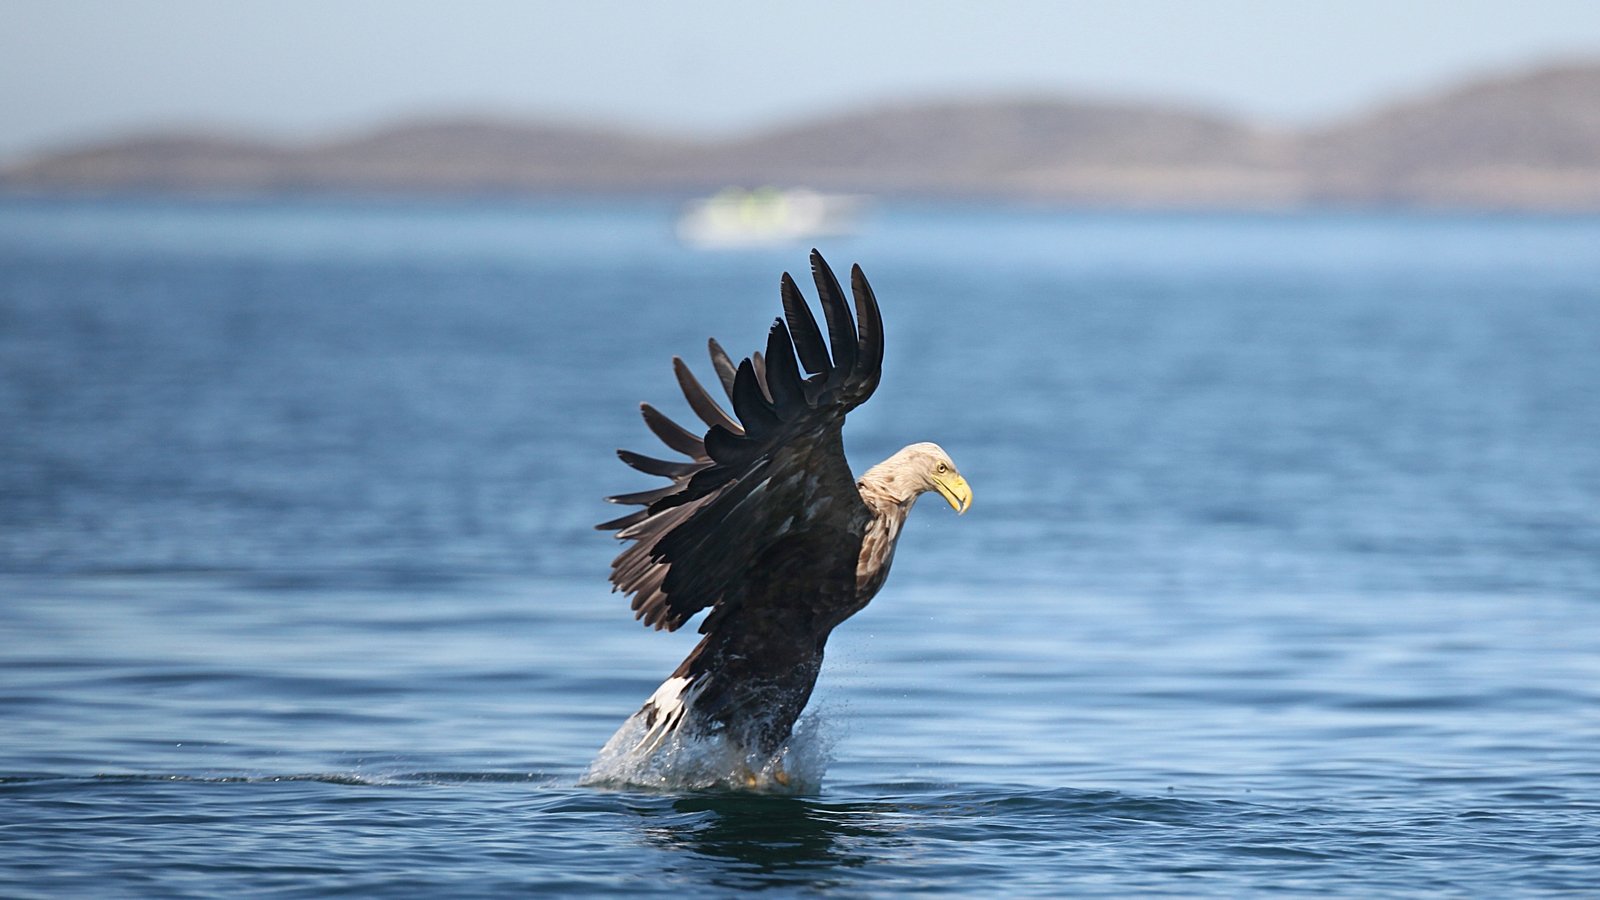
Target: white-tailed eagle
column 763, row 524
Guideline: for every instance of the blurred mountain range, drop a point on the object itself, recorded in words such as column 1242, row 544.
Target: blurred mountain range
column 1528, row 141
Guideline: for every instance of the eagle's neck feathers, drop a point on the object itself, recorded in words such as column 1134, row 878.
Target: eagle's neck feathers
column 888, row 497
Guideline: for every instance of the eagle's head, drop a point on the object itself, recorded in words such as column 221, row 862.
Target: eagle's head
column 916, row 470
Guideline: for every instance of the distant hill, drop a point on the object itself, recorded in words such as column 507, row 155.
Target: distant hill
column 1525, row 141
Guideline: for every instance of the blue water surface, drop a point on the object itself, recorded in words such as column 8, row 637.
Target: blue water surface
column 1283, row 574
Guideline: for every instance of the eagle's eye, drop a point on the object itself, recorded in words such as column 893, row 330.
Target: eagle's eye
column 943, row 468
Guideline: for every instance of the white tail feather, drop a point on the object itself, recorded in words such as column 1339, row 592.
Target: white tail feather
column 670, row 704
column 653, row 749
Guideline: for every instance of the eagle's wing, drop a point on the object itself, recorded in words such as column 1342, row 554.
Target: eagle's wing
column 772, row 474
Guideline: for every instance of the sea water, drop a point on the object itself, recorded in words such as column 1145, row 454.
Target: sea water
column 1283, row 574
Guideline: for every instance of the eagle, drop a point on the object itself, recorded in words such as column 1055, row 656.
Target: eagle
column 762, row 523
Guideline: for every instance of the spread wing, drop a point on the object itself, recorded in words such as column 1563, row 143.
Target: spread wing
column 764, row 483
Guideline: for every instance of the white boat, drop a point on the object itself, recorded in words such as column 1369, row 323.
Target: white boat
column 735, row 217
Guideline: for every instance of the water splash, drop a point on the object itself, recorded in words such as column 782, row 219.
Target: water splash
column 685, row 761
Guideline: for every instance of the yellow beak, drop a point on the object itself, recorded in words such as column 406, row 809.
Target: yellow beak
column 953, row 488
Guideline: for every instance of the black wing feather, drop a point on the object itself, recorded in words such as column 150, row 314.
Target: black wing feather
column 667, row 468
column 869, row 361
column 701, row 402
column 723, row 366
column 756, row 413
column 841, row 331
column 782, row 375
column 643, row 498
column 672, row 434
column 803, row 327
column 759, row 365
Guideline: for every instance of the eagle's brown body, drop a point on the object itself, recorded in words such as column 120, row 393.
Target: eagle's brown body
column 764, row 524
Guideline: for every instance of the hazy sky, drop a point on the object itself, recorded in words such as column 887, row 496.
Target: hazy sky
column 74, row 69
